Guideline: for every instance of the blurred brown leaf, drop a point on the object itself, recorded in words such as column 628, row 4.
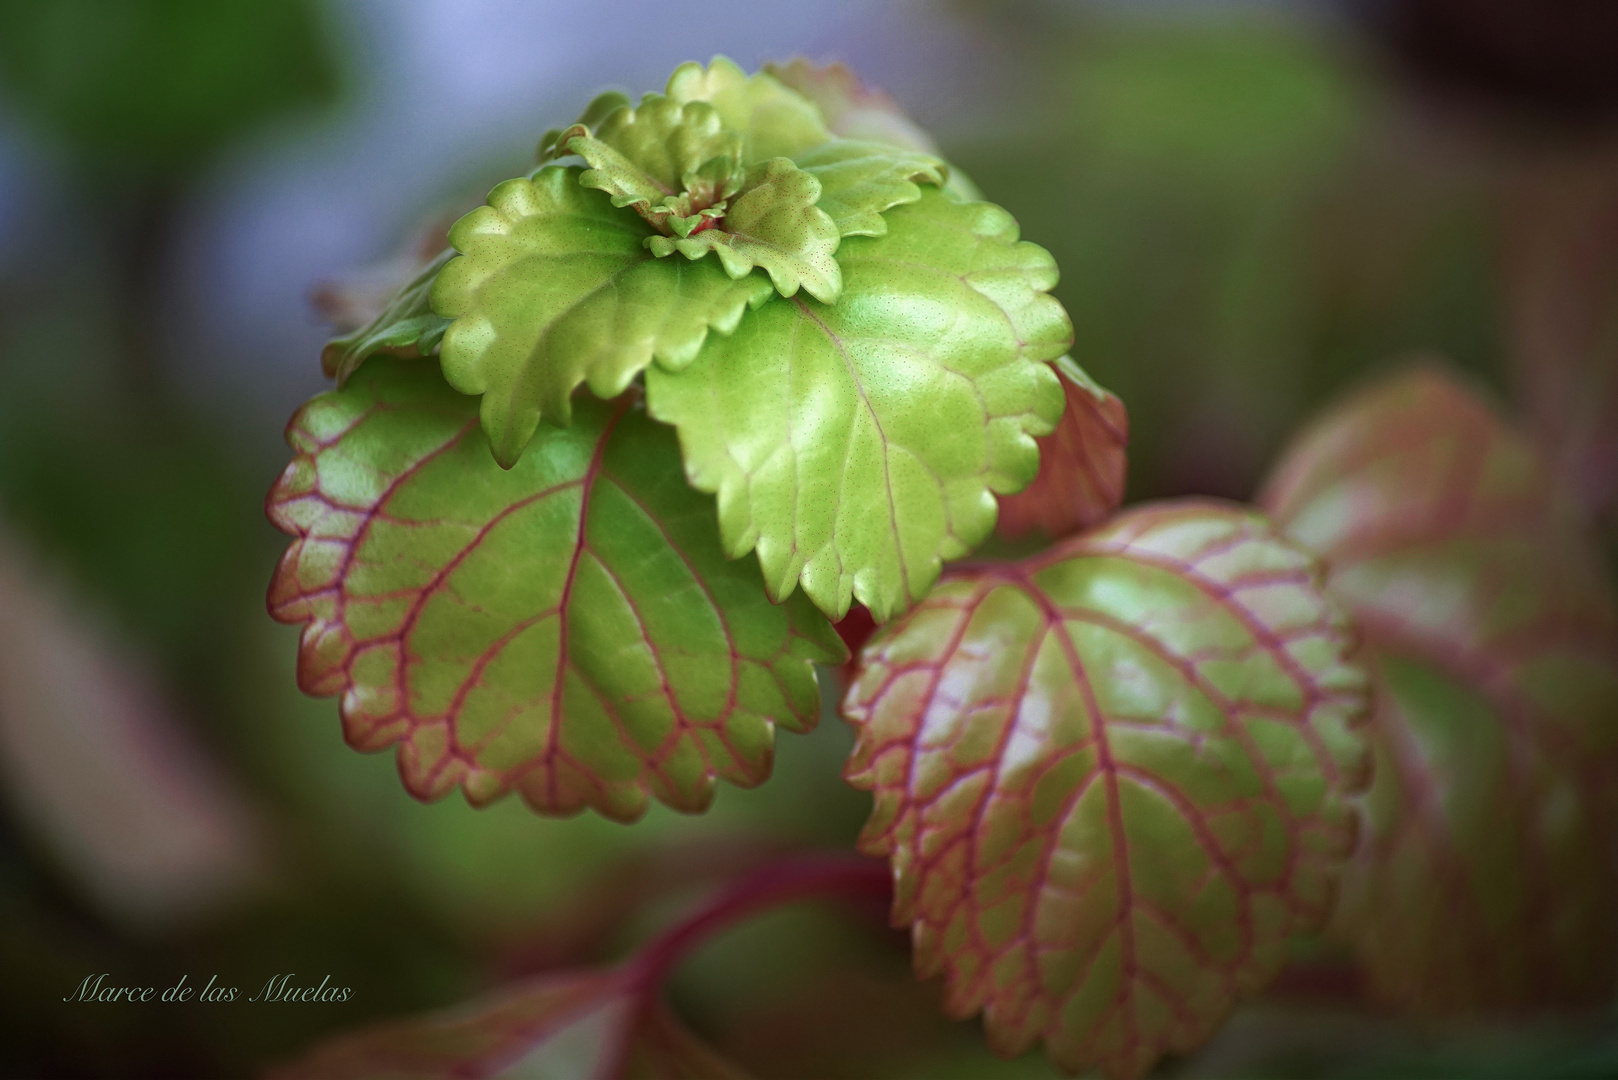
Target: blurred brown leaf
column 101, row 771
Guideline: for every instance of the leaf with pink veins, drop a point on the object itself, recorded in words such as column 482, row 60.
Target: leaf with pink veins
column 569, row 629
column 1082, row 464
column 1486, row 879
column 1112, row 779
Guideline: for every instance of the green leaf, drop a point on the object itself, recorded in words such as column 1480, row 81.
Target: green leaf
column 859, row 180
column 1112, row 779
column 554, row 287
column 772, row 223
column 855, row 111
column 601, row 106
column 772, row 120
column 857, row 446
column 1485, row 880
column 568, row 1024
column 407, row 326
column 1082, row 464
column 568, row 628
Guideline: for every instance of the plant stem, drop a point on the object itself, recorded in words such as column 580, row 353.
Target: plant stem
column 785, row 881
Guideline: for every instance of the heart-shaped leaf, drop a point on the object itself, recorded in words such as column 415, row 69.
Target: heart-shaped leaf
column 574, row 1024
column 1082, row 464
column 1486, row 878
column 1112, row 779
column 859, row 180
column 554, row 287
column 772, row 120
column 568, row 628
column 772, row 223
column 857, row 446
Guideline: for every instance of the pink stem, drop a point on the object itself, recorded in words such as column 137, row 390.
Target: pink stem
column 783, row 882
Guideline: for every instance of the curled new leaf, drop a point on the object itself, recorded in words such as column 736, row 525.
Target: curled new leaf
column 568, row 628
column 772, row 223
column 555, row 287
column 1486, row 877
column 857, row 446
column 1112, row 779
column 407, row 326
column 1082, row 464
column 586, row 1024
column 641, row 155
column 384, row 308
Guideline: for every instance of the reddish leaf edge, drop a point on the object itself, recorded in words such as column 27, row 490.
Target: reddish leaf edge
column 1083, row 465
column 640, row 979
column 1351, row 783
column 364, row 743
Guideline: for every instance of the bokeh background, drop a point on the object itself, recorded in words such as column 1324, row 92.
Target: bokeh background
column 1254, row 206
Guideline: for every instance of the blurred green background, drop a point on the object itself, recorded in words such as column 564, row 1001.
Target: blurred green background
column 1253, row 206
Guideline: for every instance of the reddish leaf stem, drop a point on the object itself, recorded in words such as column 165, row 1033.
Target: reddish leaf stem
column 784, row 881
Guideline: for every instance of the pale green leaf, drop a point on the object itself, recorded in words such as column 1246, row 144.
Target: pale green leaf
column 555, row 287
column 859, row 180
column 601, row 106
column 656, row 151
column 855, row 111
column 772, row 120
column 856, row 446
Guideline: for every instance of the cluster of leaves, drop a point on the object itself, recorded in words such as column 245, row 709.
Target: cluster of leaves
column 515, row 585
column 1114, row 779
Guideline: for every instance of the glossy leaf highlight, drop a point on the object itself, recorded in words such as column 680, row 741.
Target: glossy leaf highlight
column 554, row 287
column 568, row 628
column 1486, row 880
column 857, row 446
column 1112, row 779
column 1082, row 464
